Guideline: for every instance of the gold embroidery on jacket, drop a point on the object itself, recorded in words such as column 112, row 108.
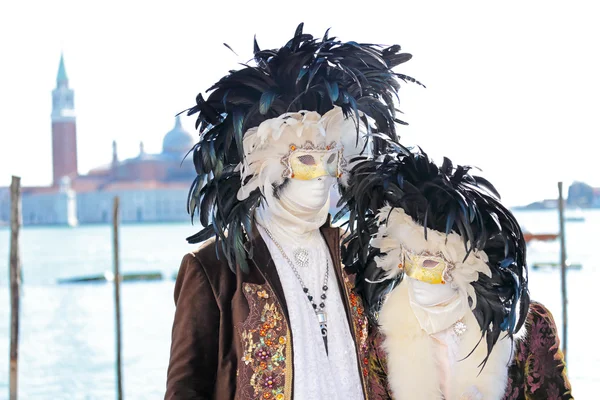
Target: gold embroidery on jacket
column 359, row 320
column 262, row 370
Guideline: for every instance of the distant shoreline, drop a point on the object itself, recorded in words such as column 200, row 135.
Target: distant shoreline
column 4, row 225
column 542, row 208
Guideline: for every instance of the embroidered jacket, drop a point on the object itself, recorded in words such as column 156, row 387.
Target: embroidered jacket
column 231, row 337
column 537, row 372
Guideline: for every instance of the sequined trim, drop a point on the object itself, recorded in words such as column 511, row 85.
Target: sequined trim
column 262, row 371
column 360, row 325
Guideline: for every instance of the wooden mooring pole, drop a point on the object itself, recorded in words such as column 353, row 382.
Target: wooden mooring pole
column 563, row 266
column 117, row 284
column 15, row 282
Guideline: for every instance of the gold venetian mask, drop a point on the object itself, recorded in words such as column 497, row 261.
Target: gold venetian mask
column 308, row 162
column 425, row 267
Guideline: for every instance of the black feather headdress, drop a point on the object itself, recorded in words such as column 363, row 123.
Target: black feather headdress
column 305, row 74
column 449, row 200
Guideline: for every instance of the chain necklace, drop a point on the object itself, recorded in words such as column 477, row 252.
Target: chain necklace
column 320, row 311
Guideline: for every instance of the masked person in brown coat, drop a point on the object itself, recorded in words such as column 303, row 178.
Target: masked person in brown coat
column 264, row 309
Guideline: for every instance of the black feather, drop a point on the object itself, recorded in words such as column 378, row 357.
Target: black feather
column 446, row 199
column 229, row 47
column 305, row 74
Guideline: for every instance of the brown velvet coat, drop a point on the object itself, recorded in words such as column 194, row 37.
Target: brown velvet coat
column 231, row 337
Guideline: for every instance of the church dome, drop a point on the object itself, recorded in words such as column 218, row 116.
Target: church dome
column 178, row 140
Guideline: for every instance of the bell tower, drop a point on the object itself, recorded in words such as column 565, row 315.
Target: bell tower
column 64, row 132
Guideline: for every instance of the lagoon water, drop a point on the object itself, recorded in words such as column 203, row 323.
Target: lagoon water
column 67, row 348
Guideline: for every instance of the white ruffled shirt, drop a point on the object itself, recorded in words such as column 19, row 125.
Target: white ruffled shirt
column 316, row 374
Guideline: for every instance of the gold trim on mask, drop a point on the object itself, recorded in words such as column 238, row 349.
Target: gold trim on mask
column 308, row 162
column 426, row 267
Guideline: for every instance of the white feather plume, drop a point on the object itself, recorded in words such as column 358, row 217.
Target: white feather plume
column 266, row 145
column 399, row 231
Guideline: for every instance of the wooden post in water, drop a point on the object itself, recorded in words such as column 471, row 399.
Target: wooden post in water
column 117, row 284
column 563, row 266
column 15, row 282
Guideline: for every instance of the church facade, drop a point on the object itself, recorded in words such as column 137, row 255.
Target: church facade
column 150, row 187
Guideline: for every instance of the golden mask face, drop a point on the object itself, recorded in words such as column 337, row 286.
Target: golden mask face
column 310, row 164
column 426, row 267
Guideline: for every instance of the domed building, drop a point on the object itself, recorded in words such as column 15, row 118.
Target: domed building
column 150, row 187
column 168, row 166
column 177, row 141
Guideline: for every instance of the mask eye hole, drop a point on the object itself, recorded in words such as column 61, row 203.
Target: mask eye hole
column 331, row 159
column 430, row 264
column 307, row 159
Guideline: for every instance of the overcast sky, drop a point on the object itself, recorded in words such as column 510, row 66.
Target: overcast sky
column 512, row 87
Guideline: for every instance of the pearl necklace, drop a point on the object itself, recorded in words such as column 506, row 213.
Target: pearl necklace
column 320, row 312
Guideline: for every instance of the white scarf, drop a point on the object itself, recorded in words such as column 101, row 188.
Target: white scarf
column 288, row 218
column 317, row 375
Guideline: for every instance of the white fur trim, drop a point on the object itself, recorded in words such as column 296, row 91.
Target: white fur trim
column 412, row 369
